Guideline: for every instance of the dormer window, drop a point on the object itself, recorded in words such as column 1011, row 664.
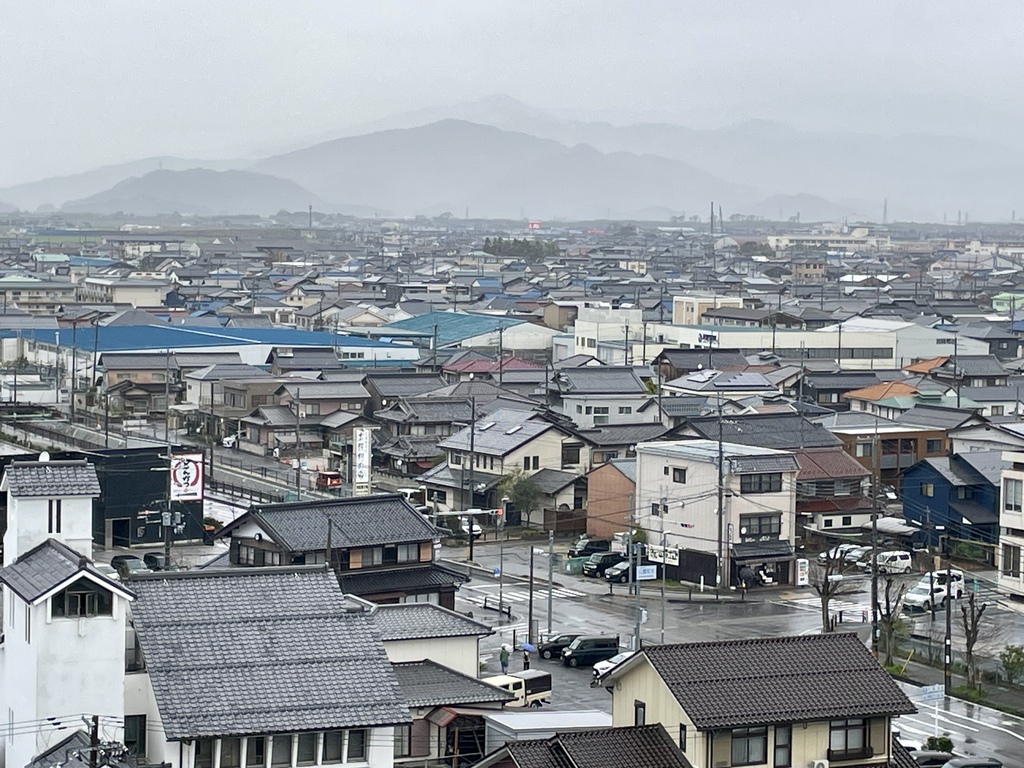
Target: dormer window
column 82, row 600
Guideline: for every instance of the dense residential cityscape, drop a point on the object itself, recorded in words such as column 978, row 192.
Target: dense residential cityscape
column 511, row 385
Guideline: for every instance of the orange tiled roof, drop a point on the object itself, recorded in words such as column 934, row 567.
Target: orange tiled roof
column 926, row 366
column 881, row 391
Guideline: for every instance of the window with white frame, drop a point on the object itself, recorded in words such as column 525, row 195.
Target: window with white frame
column 1013, row 491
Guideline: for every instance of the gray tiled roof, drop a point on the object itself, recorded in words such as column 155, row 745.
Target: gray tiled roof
column 626, row 467
column 326, row 390
column 638, row 746
column 777, row 680
column 592, row 380
column 551, row 481
column 776, row 430
column 414, row 621
column 395, row 385
column 364, row 521
column 43, row 567
column 212, row 639
column 624, row 434
column 507, row 431
column 424, row 578
column 52, row 479
column 428, row 684
column 941, row 418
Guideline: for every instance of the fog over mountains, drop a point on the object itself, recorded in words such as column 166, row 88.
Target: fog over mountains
column 497, row 157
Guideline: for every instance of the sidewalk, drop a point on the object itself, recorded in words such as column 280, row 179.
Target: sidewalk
column 999, row 696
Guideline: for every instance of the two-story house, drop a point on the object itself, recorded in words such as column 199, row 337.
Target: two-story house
column 285, row 644
column 319, row 398
column 63, row 621
column 414, row 425
column 600, row 395
column 380, row 547
column 677, row 504
column 833, row 491
column 506, row 441
column 785, row 701
column 955, row 496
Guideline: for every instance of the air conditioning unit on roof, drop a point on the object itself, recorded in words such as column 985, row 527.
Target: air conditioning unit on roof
column 819, row 764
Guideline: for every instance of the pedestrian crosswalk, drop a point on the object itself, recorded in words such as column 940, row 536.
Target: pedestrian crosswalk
column 489, row 595
column 852, row 609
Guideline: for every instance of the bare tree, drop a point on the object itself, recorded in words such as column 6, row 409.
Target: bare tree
column 890, row 616
column 971, row 614
column 827, row 578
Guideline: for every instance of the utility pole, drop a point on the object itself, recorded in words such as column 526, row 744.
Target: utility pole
column 94, row 742
column 501, row 353
column 931, row 563
column 664, row 567
column 298, row 442
column 723, row 577
column 529, row 620
column 551, row 574
column 874, row 543
column 633, row 562
column 74, row 365
column 166, row 518
column 501, row 551
column 956, row 367
column 947, row 659
column 472, row 474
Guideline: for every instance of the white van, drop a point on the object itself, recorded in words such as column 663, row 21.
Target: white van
column 930, row 590
column 892, row 562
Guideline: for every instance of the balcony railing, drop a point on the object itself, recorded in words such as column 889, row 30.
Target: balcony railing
column 859, row 753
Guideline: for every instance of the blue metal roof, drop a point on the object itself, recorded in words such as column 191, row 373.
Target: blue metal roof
column 453, row 327
column 159, row 337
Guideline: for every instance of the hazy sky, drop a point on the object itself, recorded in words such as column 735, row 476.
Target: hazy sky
column 86, row 83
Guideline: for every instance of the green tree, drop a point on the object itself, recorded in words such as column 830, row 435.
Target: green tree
column 1012, row 658
column 522, row 490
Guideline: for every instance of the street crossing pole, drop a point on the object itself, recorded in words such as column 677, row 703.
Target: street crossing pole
column 551, row 581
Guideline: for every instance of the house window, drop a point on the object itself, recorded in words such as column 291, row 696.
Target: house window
column 600, row 410
column 599, row 420
column 373, row 556
column 749, row 746
column 81, row 600
column 1011, row 561
column 526, row 462
column 933, row 445
column 682, row 737
column 783, row 746
column 847, row 521
column 440, row 497
column 307, row 749
column 624, row 409
column 997, row 410
column 356, row 749
column 311, row 409
column 848, row 739
column 928, row 489
column 964, row 492
column 455, row 459
column 827, row 522
column 403, row 740
column 204, row 753
column 230, row 753
column 865, row 450
column 135, row 734
column 1012, row 492
column 536, row 462
column 55, row 510
column 401, row 553
column 281, row 754
column 255, row 752
column 570, row 456
column 757, row 526
column 159, row 377
column 764, row 482
column 679, row 475
column 334, row 742
column 579, row 409
column 639, row 713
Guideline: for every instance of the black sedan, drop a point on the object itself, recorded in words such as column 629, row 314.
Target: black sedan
column 552, row 648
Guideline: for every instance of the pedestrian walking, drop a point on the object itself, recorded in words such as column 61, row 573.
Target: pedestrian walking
column 526, row 660
column 503, row 657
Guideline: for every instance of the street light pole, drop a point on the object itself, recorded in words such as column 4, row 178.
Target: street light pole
column 529, row 620
column 664, row 563
column 551, row 580
column 501, row 551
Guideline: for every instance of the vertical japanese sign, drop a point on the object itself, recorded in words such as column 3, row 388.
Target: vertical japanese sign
column 187, row 477
column 361, row 460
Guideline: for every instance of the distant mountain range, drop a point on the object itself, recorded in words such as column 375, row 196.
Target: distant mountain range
column 196, row 191
column 499, row 158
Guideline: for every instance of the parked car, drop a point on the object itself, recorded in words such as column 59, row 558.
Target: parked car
column 109, row 571
column 929, row 758
column 156, row 561
column 930, row 590
column 894, row 561
column 838, row 551
column 127, row 565
column 230, row 441
column 552, row 648
column 328, row 479
column 587, row 650
column 973, row 762
column 531, row 687
column 856, row 555
column 600, row 562
column 606, row 666
column 586, row 546
column 620, row 572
